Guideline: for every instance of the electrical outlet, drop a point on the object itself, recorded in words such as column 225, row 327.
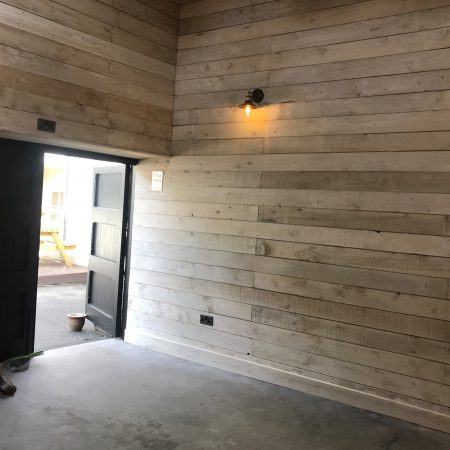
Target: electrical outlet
column 46, row 125
column 206, row 320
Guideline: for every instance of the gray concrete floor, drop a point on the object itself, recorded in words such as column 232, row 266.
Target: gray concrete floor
column 112, row 395
column 53, row 305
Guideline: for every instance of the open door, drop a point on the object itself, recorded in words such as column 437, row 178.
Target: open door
column 21, row 172
column 106, row 262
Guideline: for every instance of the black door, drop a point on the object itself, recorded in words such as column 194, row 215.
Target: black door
column 106, row 263
column 21, row 172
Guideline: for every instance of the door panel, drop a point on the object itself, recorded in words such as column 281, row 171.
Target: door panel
column 106, row 265
column 21, row 174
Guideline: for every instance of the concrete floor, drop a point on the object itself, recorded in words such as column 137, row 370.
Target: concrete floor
column 53, row 305
column 113, row 395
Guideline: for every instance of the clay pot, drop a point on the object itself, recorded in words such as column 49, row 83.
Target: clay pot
column 76, row 321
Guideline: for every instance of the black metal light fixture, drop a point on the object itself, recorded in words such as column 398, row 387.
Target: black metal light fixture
column 251, row 101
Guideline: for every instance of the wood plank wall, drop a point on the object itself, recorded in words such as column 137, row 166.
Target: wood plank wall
column 316, row 232
column 104, row 70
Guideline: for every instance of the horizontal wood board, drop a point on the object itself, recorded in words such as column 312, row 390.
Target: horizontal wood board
column 104, row 71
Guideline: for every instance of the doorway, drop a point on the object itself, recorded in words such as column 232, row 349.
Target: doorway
column 67, row 224
column 69, row 210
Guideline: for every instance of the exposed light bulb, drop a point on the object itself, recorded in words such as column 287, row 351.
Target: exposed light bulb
column 248, row 110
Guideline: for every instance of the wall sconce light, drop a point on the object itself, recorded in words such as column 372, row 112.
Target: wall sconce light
column 251, row 101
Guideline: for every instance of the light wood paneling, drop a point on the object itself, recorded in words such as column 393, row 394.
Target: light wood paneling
column 103, row 71
column 316, row 231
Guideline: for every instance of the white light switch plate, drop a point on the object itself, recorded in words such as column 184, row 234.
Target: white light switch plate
column 157, row 180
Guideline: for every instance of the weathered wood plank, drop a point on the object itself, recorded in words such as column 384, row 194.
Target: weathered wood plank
column 61, row 14
column 369, row 337
column 401, row 323
column 139, row 26
column 91, row 44
column 151, row 14
column 438, row 182
column 371, row 123
column 186, row 315
column 201, row 271
column 53, row 70
column 385, row 261
column 316, row 144
column 378, row 359
column 371, row 298
column 144, row 144
column 426, row 19
column 206, row 178
column 366, row 68
column 152, row 82
column 342, row 200
column 307, row 21
column 139, row 110
column 170, row 327
column 209, row 241
column 24, row 123
column 365, row 239
column 357, row 315
column 209, row 288
column 362, row 220
column 219, row 147
column 27, row 42
column 84, row 66
column 380, row 27
column 370, row 48
column 208, row 304
column 24, row 81
column 380, row 104
column 419, row 285
column 192, row 209
column 124, row 122
column 58, row 109
column 92, row 8
column 232, row 50
column 353, row 372
column 143, row 45
column 437, row 161
column 170, row 7
column 206, row 7
column 321, row 82
column 295, row 322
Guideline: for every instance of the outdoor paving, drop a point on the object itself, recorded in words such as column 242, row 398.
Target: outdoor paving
column 52, row 271
column 53, row 305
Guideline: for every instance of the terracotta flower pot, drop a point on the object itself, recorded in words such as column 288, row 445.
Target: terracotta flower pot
column 76, row 321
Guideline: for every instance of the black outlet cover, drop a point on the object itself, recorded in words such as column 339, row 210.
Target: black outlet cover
column 46, row 125
column 206, row 320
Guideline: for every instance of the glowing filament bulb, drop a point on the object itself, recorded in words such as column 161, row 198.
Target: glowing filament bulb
column 248, row 110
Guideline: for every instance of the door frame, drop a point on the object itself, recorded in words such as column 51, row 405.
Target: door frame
column 127, row 216
column 125, row 251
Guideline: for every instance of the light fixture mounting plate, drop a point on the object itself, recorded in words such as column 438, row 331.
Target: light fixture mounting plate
column 257, row 95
